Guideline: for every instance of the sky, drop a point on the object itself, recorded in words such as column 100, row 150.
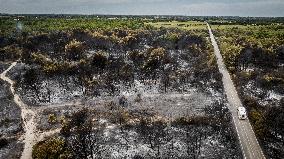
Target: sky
column 253, row 8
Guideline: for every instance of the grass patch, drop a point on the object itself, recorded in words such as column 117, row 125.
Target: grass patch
column 189, row 25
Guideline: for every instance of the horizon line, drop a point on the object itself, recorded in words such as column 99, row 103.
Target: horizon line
column 169, row 15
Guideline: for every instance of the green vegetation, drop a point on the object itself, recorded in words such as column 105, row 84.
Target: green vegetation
column 115, row 55
column 264, row 42
column 52, row 118
column 189, row 25
column 103, row 56
column 52, row 148
column 254, row 55
column 34, row 24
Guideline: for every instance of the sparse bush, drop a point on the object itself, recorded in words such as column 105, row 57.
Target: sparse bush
column 74, row 50
column 257, row 119
column 10, row 52
column 53, row 148
column 52, row 118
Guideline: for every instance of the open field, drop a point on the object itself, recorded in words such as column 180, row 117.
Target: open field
column 189, row 25
column 44, row 24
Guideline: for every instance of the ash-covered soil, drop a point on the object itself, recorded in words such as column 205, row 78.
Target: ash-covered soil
column 53, row 90
column 262, row 92
column 171, row 82
column 10, row 122
column 13, row 150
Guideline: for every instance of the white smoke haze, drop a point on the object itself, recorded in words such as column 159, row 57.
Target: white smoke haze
column 19, row 26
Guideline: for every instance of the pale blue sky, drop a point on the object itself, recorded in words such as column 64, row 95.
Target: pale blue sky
column 148, row 7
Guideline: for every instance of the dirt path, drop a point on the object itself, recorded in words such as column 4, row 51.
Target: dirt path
column 28, row 117
column 249, row 144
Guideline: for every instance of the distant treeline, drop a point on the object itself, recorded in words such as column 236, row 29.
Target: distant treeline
column 13, row 25
column 232, row 19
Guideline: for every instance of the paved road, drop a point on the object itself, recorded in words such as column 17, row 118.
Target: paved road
column 249, row 144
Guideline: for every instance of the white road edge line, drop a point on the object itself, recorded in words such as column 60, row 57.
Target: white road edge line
column 222, row 69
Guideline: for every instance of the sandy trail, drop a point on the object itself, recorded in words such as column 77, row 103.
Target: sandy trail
column 27, row 115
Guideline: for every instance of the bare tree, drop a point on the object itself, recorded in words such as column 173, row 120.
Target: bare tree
column 194, row 132
column 154, row 134
column 31, row 81
column 86, row 137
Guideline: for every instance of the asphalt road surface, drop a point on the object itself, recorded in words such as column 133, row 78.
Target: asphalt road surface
column 249, row 144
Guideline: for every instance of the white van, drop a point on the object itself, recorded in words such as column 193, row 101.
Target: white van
column 242, row 113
